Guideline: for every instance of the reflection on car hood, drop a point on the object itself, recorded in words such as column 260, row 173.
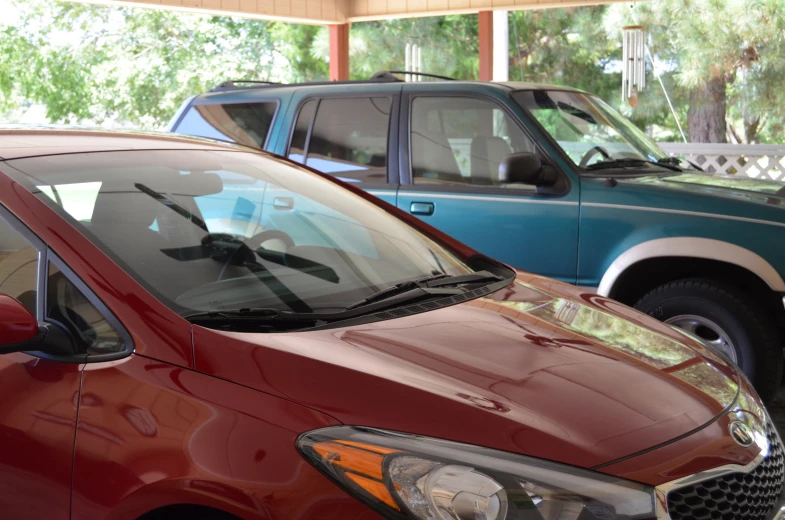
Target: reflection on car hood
column 537, row 368
column 737, row 186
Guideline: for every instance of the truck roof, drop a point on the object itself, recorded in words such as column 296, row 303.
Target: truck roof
column 385, row 78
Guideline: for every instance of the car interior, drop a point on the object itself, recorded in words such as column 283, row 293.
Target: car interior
column 160, row 224
column 462, row 141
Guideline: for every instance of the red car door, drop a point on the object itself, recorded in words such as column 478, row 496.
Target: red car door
column 40, row 397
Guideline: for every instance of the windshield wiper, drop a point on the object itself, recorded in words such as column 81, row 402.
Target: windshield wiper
column 169, row 203
column 429, row 285
column 478, row 277
column 675, row 161
column 251, row 313
column 253, row 319
column 620, row 163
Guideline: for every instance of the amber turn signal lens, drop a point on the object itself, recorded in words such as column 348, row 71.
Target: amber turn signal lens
column 351, row 459
column 362, row 463
column 367, row 447
column 375, row 488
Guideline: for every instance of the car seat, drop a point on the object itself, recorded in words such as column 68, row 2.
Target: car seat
column 433, row 157
column 487, row 153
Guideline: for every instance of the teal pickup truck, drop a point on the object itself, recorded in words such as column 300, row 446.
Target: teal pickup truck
column 548, row 179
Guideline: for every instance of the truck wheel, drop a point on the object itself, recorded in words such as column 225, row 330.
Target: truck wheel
column 728, row 319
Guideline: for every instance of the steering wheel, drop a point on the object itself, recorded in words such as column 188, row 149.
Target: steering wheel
column 594, row 150
column 260, row 238
column 251, row 244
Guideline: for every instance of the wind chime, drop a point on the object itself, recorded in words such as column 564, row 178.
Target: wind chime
column 634, row 62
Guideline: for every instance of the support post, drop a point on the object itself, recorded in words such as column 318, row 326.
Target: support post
column 339, row 52
column 501, row 46
column 486, row 45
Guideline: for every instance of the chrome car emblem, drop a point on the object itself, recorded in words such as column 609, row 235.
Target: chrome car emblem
column 741, row 433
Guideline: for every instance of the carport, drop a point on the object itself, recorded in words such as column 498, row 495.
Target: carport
column 339, row 15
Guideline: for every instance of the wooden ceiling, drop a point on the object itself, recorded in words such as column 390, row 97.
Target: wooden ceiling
column 329, row 12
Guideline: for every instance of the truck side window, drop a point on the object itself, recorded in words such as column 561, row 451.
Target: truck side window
column 462, row 141
column 348, row 139
column 243, row 123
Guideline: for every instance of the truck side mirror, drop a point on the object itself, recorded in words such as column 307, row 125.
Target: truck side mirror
column 526, row 168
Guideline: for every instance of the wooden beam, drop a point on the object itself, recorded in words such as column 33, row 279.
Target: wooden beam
column 339, row 52
column 367, row 10
column 311, row 12
column 327, row 12
column 486, row 45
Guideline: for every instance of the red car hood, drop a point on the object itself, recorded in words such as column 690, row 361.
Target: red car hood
column 538, row 368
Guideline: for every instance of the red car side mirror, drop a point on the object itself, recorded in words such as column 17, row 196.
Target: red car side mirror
column 21, row 332
column 17, row 325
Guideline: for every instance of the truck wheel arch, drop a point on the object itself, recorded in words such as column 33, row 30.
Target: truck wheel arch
column 692, row 247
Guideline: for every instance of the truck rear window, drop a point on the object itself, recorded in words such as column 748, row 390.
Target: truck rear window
column 242, row 123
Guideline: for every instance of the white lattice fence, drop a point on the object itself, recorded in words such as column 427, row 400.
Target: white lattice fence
column 754, row 160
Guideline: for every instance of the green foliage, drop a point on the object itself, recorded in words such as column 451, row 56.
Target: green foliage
column 135, row 66
column 740, row 41
column 97, row 63
column 449, row 46
column 299, row 44
column 564, row 47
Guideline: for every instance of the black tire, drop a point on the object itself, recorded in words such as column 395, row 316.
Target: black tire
column 756, row 342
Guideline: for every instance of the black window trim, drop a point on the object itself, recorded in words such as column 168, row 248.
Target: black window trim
column 95, row 302
column 45, row 256
column 393, row 180
column 309, row 133
column 407, row 179
column 196, row 102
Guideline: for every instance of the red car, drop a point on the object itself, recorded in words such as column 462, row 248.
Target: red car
column 196, row 330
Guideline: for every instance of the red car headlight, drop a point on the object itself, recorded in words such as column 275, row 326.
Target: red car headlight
column 408, row 476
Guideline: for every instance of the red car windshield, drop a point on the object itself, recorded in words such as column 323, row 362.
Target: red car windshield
column 220, row 230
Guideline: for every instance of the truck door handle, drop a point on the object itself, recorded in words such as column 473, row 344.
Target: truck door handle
column 421, row 208
column 283, row 203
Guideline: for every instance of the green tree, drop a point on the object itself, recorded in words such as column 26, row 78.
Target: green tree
column 719, row 60
column 97, row 63
column 449, row 45
column 303, row 46
column 725, row 54
column 564, row 47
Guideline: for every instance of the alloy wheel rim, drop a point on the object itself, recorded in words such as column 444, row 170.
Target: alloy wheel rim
column 708, row 331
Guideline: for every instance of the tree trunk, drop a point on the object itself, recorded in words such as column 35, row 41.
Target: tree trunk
column 706, row 116
column 752, row 128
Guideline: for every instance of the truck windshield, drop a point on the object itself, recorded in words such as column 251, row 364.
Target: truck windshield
column 590, row 132
column 230, row 230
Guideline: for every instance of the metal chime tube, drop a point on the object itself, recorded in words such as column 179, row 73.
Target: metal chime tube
column 634, row 60
column 408, row 60
column 415, row 77
column 639, row 59
column 625, row 69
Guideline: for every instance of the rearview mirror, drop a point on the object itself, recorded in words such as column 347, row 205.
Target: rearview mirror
column 20, row 332
column 526, row 168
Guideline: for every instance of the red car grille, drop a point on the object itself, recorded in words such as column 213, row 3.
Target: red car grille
column 751, row 496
